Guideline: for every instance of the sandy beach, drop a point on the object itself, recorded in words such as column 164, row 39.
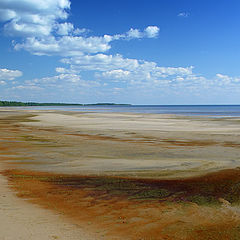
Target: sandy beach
column 141, row 145
column 118, row 176
column 21, row 220
column 119, row 120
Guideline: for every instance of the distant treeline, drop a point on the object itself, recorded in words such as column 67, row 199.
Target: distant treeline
column 14, row 103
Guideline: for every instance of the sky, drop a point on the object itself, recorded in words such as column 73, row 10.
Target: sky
column 138, row 51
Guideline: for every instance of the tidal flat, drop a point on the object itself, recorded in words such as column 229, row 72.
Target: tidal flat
column 125, row 175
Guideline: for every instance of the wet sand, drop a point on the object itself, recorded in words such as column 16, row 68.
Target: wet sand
column 140, row 145
column 57, row 152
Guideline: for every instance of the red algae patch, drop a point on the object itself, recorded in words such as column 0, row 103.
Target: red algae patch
column 124, row 208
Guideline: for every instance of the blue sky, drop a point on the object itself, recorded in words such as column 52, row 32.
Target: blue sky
column 139, row 52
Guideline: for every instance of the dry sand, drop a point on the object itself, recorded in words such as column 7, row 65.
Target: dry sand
column 20, row 220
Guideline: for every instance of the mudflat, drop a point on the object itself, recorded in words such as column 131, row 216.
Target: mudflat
column 124, row 175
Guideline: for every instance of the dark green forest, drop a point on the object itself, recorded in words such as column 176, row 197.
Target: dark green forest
column 14, row 103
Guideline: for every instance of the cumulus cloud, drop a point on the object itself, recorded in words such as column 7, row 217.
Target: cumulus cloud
column 133, row 33
column 222, row 79
column 166, row 71
column 63, row 77
column 65, row 28
column 117, row 64
column 151, row 31
column 69, row 45
column 32, row 18
column 6, row 74
column 116, row 68
column 63, row 80
column 79, row 31
column 65, row 46
column 101, row 62
column 116, row 74
column 44, row 30
column 65, row 70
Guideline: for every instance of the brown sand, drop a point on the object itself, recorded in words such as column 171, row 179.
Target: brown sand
column 133, row 146
column 122, row 208
column 20, row 220
column 141, row 145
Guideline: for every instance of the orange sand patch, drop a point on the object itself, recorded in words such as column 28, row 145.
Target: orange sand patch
column 107, row 206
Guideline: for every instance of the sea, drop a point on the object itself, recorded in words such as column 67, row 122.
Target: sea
column 186, row 110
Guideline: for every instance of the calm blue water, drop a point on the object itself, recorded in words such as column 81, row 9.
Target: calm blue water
column 197, row 110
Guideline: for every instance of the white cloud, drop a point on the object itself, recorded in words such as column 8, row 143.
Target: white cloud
column 116, row 74
column 27, row 87
column 116, row 68
column 61, row 70
column 14, row 28
column 225, row 78
column 2, row 82
column 184, row 14
column 78, row 31
column 222, row 79
column 44, row 30
column 101, row 62
column 133, row 33
column 32, row 18
column 69, row 45
column 65, row 70
column 151, row 31
column 65, row 28
column 63, row 77
column 167, row 71
column 6, row 74
column 117, row 65
column 65, row 46
column 61, row 81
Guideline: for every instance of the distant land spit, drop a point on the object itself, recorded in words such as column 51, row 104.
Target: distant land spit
column 14, row 103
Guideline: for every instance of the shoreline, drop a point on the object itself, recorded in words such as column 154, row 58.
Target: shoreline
column 208, row 113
